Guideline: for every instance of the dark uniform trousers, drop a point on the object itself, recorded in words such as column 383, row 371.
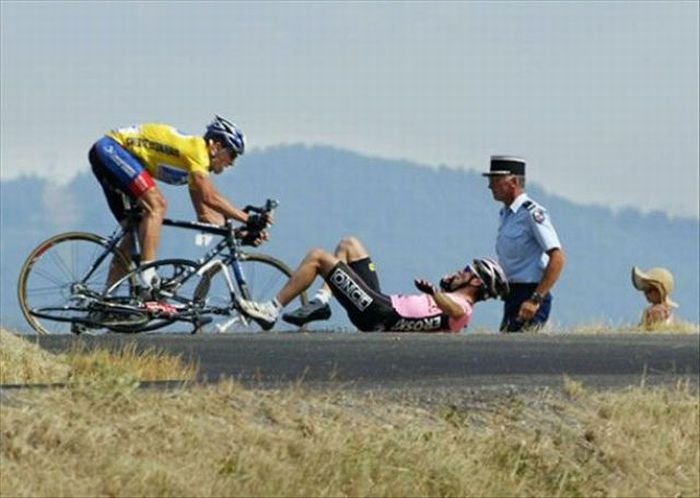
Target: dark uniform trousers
column 519, row 293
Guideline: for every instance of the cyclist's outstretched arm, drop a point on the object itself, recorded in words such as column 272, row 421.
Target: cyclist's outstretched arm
column 205, row 214
column 205, row 199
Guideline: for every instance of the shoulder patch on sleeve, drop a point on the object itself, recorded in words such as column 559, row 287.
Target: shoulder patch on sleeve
column 538, row 215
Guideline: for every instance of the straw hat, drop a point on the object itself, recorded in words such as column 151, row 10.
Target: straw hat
column 660, row 278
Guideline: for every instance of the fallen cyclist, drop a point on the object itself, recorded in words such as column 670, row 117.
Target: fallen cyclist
column 350, row 276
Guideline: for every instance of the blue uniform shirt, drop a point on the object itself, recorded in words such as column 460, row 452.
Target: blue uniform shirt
column 525, row 234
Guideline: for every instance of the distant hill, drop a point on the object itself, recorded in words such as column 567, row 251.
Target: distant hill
column 416, row 221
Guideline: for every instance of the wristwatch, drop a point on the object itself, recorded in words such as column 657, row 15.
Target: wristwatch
column 537, row 298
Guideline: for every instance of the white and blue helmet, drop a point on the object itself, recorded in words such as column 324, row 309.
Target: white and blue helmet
column 226, row 132
column 493, row 278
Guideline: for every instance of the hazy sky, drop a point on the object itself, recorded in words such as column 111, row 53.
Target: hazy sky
column 600, row 97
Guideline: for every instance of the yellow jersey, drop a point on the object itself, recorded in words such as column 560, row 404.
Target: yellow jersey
column 167, row 154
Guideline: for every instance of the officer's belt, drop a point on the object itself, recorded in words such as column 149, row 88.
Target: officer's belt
column 522, row 285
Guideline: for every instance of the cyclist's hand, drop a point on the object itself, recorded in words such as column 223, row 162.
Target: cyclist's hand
column 425, row 286
column 257, row 222
column 447, row 282
column 253, row 238
column 262, row 237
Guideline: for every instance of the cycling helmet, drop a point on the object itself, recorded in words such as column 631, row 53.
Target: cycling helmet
column 493, row 280
column 227, row 133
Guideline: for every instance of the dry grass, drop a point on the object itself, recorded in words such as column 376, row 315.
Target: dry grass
column 110, row 439
column 22, row 362
column 600, row 328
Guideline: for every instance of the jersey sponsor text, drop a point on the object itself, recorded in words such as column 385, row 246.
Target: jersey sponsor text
column 152, row 145
column 418, row 324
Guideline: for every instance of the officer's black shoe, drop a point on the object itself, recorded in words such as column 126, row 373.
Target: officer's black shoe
column 315, row 310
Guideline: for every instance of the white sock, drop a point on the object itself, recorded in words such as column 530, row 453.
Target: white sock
column 149, row 275
column 323, row 295
column 276, row 304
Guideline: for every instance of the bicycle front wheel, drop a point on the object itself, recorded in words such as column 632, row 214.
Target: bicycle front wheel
column 60, row 273
column 264, row 276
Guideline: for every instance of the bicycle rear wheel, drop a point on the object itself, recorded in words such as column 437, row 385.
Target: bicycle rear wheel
column 264, row 277
column 58, row 275
column 97, row 315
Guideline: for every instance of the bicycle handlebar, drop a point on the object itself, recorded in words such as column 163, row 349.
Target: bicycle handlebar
column 227, row 227
column 244, row 233
column 270, row 205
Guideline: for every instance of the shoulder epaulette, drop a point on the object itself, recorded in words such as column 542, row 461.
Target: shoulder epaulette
column 529, row 205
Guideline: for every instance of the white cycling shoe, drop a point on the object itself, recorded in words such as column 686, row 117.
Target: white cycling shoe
column 265, row 314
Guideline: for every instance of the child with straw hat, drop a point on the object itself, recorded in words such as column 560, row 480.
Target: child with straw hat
column 657, row 285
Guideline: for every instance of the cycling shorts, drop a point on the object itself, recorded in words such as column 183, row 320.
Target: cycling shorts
column 119, row 173
column 368, row 309
column 365, row 270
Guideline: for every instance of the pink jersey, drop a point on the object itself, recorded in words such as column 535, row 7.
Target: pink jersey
column 424, row 306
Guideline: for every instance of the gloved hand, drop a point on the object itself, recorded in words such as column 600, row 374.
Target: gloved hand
column 446, row 282
column 253, row 238
column 425, row 286
column 257, row 222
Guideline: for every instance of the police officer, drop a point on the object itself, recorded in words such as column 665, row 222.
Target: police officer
column 527, row 245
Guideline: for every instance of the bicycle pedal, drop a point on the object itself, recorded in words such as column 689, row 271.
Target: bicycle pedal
column 144, row 294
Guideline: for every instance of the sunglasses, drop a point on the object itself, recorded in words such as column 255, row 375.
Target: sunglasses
column 470, row 269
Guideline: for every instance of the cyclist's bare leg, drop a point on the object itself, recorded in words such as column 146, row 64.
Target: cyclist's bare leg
column 320, row 262
column 116, row 267
column 153, row 207
column 316, row 262
column 349, row 249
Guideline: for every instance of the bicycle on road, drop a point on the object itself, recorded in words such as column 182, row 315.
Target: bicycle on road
column 63, row 287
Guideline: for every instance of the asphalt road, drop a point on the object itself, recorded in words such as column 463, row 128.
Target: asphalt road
column 424, row 360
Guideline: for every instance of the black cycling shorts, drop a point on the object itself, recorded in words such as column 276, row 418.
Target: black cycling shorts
column 367, row 272
column 356, row 287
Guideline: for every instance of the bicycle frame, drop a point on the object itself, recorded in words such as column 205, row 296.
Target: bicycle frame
column 208, row 261
column 228, row 264
column 228, row 241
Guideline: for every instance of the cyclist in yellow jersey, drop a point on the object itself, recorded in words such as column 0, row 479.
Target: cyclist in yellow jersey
column 165, row 153
column 127, row 160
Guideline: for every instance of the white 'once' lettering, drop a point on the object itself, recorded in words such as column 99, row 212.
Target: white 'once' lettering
column 344, row 283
